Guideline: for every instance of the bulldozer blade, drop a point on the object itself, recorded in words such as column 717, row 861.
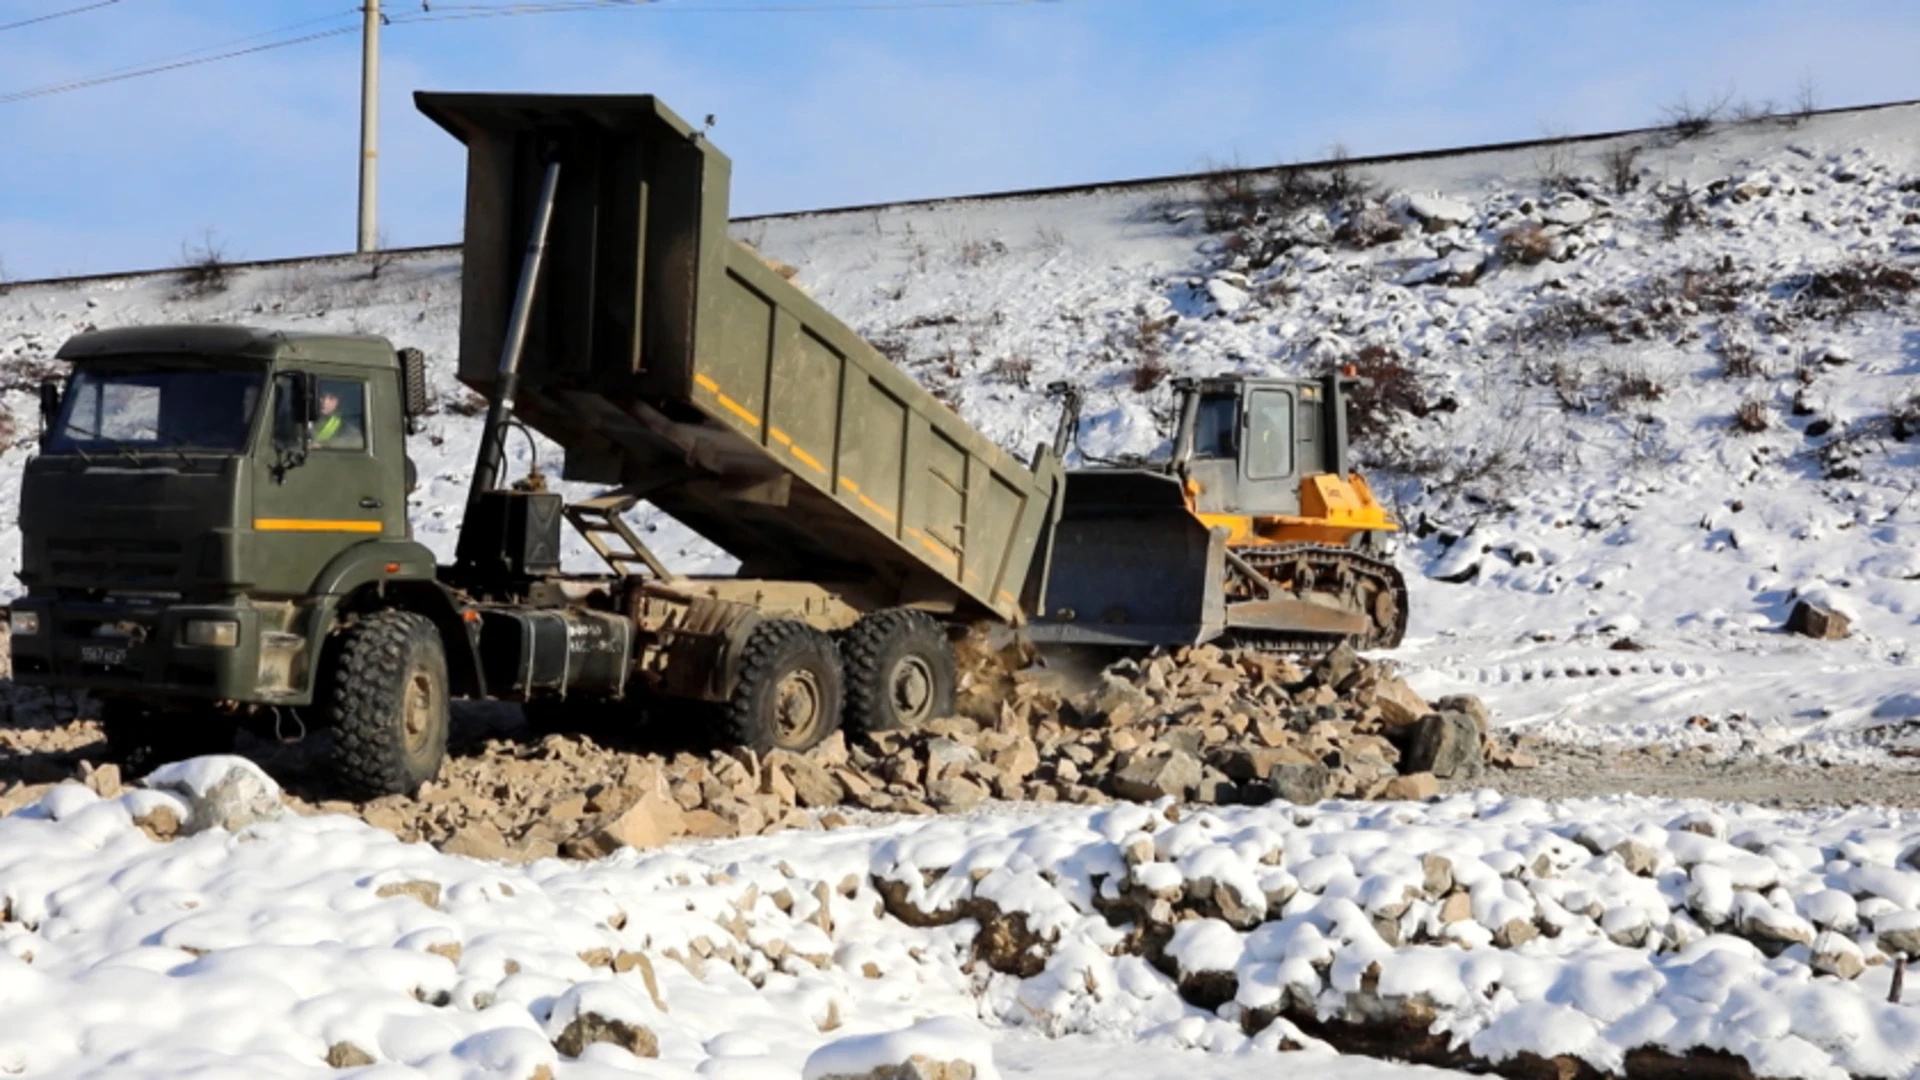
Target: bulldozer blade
column 1287, row 615
column 1131, row 567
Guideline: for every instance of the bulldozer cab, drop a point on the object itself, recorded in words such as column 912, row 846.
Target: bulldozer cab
column 1243, row 445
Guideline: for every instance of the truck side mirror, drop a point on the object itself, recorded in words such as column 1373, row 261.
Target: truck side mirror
column 49, row 401
column 296, row 407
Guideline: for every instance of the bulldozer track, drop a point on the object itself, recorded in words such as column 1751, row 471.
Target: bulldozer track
column 1354, row 572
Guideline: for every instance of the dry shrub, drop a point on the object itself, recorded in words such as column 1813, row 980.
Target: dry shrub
column 1229, row 197
column 1690, row 121
column 1368, row 225
column 203, row 266
column 1391, row 391
column 1630, row 384
column 1752, row 417
column 465, row 403
column 894, row 346
column 1737, row 359
column 1623, row 168
column 977, row 252
column 1526, row 243
column 1681, row 211
column 1848, row 289
column 1719, row 287
column 8, row 431
column 1016, row 368
column 1149, row 371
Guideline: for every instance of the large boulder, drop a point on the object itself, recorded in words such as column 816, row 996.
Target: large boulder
column 1814, row 621
column 1174, row 774
column 1446, row 745
column 222, row 791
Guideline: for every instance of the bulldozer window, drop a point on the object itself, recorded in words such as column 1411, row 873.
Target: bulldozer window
column 1269, row 434
column 1214, row 426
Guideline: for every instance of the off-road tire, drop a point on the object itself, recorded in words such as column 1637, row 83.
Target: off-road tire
column 787, row 669
column 900, row 671
column 388, row 665
column 141, row 737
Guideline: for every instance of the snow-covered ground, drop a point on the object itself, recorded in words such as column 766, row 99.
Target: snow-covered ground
column 1608, row 516
column 1587, row 929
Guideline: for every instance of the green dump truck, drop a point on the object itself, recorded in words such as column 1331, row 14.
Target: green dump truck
column 215, row 528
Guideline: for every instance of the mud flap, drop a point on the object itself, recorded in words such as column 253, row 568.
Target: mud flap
column 1131, row 566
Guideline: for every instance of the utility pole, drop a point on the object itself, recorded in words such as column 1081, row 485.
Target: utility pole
column 369, row 123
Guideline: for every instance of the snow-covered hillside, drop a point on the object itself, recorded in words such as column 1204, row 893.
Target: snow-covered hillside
column 1599, row 551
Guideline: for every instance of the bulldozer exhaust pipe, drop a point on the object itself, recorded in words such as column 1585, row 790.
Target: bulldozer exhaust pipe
column 486, row 470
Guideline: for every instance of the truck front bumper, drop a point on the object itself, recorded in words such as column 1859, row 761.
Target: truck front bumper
column 137, row 648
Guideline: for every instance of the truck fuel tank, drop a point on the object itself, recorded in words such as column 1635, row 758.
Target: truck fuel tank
column 527, row 651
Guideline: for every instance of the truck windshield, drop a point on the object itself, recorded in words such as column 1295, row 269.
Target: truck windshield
column 203, row 409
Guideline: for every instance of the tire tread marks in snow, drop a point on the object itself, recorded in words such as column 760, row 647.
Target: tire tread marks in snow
column 367, row 700
column 874, row 645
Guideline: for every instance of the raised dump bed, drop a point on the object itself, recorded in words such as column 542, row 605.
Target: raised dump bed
column 672, row 362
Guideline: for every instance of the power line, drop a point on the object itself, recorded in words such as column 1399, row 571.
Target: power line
column 459, row 13
column 52, row 15
column 232, row 43
column 101, row 80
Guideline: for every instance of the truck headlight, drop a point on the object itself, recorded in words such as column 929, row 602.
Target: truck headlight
column 23, row 623
column 218, row 633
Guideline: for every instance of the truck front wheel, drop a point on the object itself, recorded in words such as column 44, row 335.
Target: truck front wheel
column 387, row 705
column 900, row 671
column 789, row 690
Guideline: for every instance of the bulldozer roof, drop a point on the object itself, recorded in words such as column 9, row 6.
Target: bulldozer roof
column 244, row 342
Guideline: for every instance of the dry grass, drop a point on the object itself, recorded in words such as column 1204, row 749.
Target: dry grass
column 1752, row 417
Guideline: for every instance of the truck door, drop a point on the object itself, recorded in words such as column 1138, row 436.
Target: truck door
column 1269, row 464
column 305, row 515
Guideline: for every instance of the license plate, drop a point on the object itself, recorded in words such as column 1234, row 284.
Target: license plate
column 108, row 655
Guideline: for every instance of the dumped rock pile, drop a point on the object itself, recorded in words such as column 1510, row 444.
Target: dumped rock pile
column 1202, row 725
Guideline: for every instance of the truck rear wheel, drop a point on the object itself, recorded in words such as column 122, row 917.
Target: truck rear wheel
column 387, row 702
column 900, row 671
column 789, row 692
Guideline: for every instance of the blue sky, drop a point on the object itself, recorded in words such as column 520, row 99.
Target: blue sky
column 832, row 108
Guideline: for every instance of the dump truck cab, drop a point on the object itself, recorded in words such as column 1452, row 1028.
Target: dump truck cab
column 205, row 500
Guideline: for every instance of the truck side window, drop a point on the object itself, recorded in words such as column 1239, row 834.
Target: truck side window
column 1269, row 434
column 1215, row 424
column 343, row 414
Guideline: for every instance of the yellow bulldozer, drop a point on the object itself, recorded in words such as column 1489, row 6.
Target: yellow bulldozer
column 1255, row 532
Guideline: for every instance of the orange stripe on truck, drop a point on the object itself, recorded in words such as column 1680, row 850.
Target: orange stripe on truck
column 314, row 525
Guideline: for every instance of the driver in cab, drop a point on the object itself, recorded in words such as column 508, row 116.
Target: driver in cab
column 337, row 428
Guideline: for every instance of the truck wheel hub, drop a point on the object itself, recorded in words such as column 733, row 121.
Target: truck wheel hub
column 912, row 688
column 796, row 710
column 417, row 716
